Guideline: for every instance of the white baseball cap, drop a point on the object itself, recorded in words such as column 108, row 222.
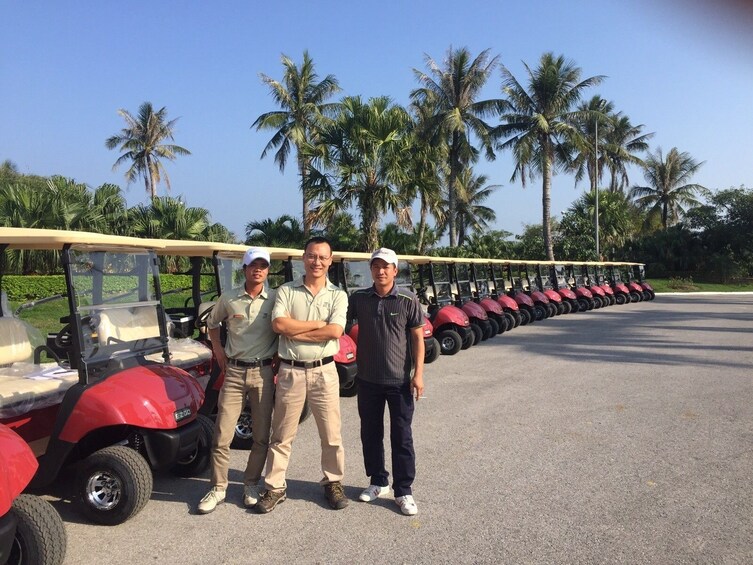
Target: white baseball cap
column 253, row 253
column 386, row 255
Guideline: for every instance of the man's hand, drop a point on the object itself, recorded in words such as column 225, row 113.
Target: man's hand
column 417, row 386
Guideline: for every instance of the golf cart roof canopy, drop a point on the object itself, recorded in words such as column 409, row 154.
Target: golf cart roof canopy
column 34, row 238
column 208, row 248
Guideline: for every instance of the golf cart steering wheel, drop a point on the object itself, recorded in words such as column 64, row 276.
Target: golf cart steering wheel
column 64, row 338
column 202, row 319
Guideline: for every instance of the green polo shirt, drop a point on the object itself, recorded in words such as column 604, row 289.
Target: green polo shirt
column 295, row 301
column 249, row 324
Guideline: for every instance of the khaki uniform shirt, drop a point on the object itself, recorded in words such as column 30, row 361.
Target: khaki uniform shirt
column 249, row 324
column 295, row 301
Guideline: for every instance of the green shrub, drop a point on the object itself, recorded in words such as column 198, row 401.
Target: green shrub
column 682, row 284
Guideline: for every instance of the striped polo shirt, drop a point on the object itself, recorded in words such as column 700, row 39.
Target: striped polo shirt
column 384, row 327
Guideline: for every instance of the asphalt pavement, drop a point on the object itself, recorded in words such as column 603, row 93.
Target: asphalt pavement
column 621, row 435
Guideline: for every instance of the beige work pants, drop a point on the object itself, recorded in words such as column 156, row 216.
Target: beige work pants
column 254, row 386
column 321, row 387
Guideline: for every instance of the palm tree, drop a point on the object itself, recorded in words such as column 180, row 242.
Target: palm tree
column 367, row 153
column 540, row 125
column 595, row 111
column 471, row 216
column 668, row 192
column 110, row 205
column 623, row 141
column 454, row 90
column 303, row 112
column 142, row 141
column 284, row 231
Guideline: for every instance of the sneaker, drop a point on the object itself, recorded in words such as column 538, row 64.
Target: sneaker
column 335, row 495
column 211, row 500
column 372, row 492
column 250, row 496
column 268, row 500
column 407, row 505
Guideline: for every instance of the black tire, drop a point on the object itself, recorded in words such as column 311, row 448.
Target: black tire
column 597, row 301
column 527, row 316
column 468, row 339
column 432, row 353
column 496, row 328
column 567, row 307
column 612, row 299
column 348, row 391
column 40, row 534
column 512, row 321
column 517, row 317
column 540, row 311
column 635, row 297
column 478, row 333
column 197, row 462
column 243, row 437
column 552, row 309
column 621, row 298
column 652, row 294
column 450, row 342
column 646, row 295
column 583, row 303
column 486, row 327
column 560, row 307
column 113, row 485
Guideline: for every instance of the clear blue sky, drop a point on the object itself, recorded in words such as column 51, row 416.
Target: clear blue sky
column 66, row 68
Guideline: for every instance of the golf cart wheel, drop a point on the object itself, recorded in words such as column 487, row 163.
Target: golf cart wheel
column 540, row 312
column 646, row 295
column 635, row 297
column 112, row 485
column 552, row 309
column 651, row 294
column 583, row 304
column 486, row 327
column 450, row 342
column 198, row 461
column 621, row 299
column 513, row 319
column 477, row 333
column 40, row 533
column 526, row 317
column 597, row 301
column 469, row 338
column 566, row 307
column 432, row 352
column 348, row 391
column 243, row 437
column 496, row 328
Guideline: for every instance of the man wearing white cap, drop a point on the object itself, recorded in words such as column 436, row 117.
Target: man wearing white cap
column 390, row 371
column 246, row 361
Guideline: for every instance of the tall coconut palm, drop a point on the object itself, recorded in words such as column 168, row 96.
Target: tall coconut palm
column 591, row 115
column 624, row 141
column 142, row 141
column 668, row 192
column 539, row 125
column 454, row 89
column 367, row 154
column 302, row 99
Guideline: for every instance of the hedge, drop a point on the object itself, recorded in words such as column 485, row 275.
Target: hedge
column 24, row 288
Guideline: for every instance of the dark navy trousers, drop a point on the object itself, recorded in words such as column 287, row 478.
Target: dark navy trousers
column 399, row 400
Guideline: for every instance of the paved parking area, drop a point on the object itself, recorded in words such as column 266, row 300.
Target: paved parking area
column 623, row 435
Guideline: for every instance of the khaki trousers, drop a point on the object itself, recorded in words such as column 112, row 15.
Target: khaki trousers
column 256, row 385
column 321, row 387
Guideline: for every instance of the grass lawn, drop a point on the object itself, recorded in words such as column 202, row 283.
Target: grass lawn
column 685, row 285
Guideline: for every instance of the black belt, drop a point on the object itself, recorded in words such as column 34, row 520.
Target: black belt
column 309, row 364
column 249, row 364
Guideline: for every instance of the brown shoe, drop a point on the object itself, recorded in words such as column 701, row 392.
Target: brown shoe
column 268, row 500
column 336, row 495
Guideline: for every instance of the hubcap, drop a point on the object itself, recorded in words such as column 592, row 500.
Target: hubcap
column 103, row 490
column 243, row 427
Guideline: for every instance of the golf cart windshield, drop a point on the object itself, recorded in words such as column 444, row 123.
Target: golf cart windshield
column 463, row 272
column 559, row 273
column 116, row 300
column 441, row 275
column 357, row 275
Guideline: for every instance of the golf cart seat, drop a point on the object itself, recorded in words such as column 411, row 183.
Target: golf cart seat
column 184, row 352
column 25, row 386
column 127, row 324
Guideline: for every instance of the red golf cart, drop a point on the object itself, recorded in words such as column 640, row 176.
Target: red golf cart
column 451, row 325
column 104, row 404
column 31, row 530
column 466, row 290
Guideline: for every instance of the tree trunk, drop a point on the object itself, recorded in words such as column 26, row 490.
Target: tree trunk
column 451, row 190
column 546, row 201
column 305, row 216
column 369, row 221
column 422, row 225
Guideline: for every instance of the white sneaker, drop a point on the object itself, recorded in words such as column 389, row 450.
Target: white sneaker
column 372, row 492
column 211, row 500
column 250, row 496
column 407, row 505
